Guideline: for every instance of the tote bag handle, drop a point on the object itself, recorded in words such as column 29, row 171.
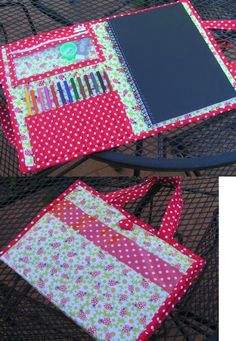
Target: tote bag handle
column 225, row 43
column 173, row 211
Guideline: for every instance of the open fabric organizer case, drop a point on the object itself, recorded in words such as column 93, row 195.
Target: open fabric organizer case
column 134, row 75
column 114, row 275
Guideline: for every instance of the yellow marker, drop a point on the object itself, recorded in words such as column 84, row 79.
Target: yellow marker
column 27, row 97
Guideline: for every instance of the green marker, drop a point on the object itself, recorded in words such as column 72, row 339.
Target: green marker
column 75, row 89
column 68, row 50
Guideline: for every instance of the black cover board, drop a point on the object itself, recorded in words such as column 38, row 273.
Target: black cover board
column 173, row 67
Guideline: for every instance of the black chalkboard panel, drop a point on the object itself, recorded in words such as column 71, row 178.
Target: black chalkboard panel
column 173, row 67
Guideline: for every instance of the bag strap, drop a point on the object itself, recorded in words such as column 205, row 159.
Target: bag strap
column 228, row 25
column 173, row 211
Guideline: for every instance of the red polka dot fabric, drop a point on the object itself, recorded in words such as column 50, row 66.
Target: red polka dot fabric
column 96, row 124
column 46, row 40
column 5, row 123
column 122, row 246
column 126, row 224
column 172, row 214
column 127, row 251
column 79, row 128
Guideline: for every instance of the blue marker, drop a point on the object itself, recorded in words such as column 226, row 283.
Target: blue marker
column 95, row 84
column 68, row 91
column 61, row 93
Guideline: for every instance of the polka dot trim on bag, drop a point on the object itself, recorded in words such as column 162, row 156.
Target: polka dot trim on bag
column 91, row 125
column 124, row 249
column 126, row 224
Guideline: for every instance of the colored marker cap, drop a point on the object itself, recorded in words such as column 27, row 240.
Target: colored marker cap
column 68, row 50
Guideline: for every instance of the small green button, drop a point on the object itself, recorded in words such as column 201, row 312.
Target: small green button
column 68, row 50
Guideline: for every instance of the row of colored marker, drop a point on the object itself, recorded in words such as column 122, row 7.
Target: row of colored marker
column 84, row 87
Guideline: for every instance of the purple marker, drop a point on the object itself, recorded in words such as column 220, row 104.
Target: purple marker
column 46, row 91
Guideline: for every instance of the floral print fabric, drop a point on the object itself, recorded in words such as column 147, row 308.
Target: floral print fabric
column 93, row 205
column 120, row 79
column 112, row 66
column 100, row 293
column 51, row 58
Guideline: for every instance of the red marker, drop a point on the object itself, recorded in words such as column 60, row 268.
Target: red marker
column 54, row 96
column 105, row 75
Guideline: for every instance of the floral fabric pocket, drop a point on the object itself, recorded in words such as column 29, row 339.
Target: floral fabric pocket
column 114, row 275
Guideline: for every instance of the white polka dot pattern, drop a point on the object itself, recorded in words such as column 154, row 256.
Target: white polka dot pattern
column 125, row 250
column 43, row 155
column 78, row 128
column 5, row 123
column 85, row 241
column 173, row 212
column 46, row 40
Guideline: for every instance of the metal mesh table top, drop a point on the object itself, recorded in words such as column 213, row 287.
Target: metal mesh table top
column 26, row 315
column 206, row 144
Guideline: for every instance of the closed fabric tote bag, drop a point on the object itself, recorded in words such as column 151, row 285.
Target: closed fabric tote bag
column 112, row 274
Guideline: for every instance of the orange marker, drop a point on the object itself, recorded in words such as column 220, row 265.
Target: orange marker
column 27, row 98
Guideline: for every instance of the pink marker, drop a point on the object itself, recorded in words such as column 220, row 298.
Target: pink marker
column 41, row 101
